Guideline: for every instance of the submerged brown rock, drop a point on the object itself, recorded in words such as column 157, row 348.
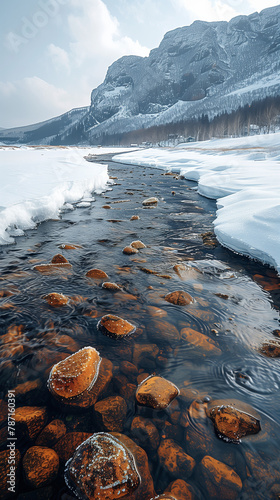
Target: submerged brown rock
column 53, row 268
column 232, row 424
column 40, row 466
column 59, row 259
column 111, row 413
column 113, row 287
column 137, row 244
column 174, row 459
column 102, row 467
column 180, row 490
column 56, row 299
column 30, row 420
column 114, row 326
column 179, row 298
column 97, row 274
column 219, row 479
column 271, row 348
column 129, row 250
column 156, row 392
column 206, row 344
column 75, row 374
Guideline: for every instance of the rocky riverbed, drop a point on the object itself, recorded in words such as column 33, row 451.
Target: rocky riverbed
column 140, row 356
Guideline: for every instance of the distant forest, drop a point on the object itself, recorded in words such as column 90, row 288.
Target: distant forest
column 260, row 117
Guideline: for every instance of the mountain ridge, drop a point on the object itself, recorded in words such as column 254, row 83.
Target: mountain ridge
column 203, row 69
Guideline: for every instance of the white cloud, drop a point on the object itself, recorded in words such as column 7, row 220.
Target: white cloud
column 59, row 57
column 221, row 10
column 95, row 36
column 33, row 99
column 209, row 10
column 258, row 5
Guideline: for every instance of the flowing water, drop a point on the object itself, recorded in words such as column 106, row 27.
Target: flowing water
column 236, row 303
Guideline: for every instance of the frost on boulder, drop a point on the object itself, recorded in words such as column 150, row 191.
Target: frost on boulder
column 102, row 467
column 75, row 374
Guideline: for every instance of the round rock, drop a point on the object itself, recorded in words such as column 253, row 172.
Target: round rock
column 40, row 466
column 97, row 274
column 114, row 326
column 75, row 374
column 137, row 244
column 59, row 259
column 150, row 201
column 156, row 392
column 56, row 299
column 102, row 468
column 232, row 424
column 113, row 287
column 179, row 298
column 129, row 250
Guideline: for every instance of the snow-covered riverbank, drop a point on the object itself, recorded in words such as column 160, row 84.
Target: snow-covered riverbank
column 243, row 175
column 36, row 183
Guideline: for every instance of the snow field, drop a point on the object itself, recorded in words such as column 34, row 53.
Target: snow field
column 36, row 183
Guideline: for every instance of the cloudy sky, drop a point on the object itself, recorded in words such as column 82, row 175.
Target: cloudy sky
column 54, row 52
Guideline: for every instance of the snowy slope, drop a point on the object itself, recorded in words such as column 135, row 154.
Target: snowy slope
column 244, row 176
column 35, row 183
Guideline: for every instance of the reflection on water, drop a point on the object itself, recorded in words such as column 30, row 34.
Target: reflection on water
column 235, row 307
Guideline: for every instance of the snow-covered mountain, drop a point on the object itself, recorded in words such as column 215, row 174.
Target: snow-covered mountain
column 205, row 68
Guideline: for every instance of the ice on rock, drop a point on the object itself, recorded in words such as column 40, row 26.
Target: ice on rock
column 111, row 469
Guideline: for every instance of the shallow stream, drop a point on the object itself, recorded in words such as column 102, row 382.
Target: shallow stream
column 236, row 304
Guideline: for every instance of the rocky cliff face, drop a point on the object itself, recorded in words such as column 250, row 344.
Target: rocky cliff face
column 202, row 68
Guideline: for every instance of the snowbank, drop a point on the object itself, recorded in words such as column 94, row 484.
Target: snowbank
column 35, row 183
column 243, row 175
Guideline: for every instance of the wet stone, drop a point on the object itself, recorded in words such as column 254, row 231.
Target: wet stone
column 179, row 298
column 146, row 488
column 197, row 339
column 113, row 287
column 145, row 356
column 56, row 299
column 129, row 250
column 102, row 468
column 134, row 217
column 232, row 424
column 54, row 431
column 111, row 413
column 150, row 201
column 97, row 274
column 75, row 374
column 180, row 490
column 89, row 397
column 59, row 259
column 30, row 420
column 145, row 433
column 156, row 392
column 29, row 391
column 115, row 327
column 271, row 348
column 137, row 244
column 49, row 269
column 129, row 369
column 175, row 460
column 40, row 466
column 219, row 480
